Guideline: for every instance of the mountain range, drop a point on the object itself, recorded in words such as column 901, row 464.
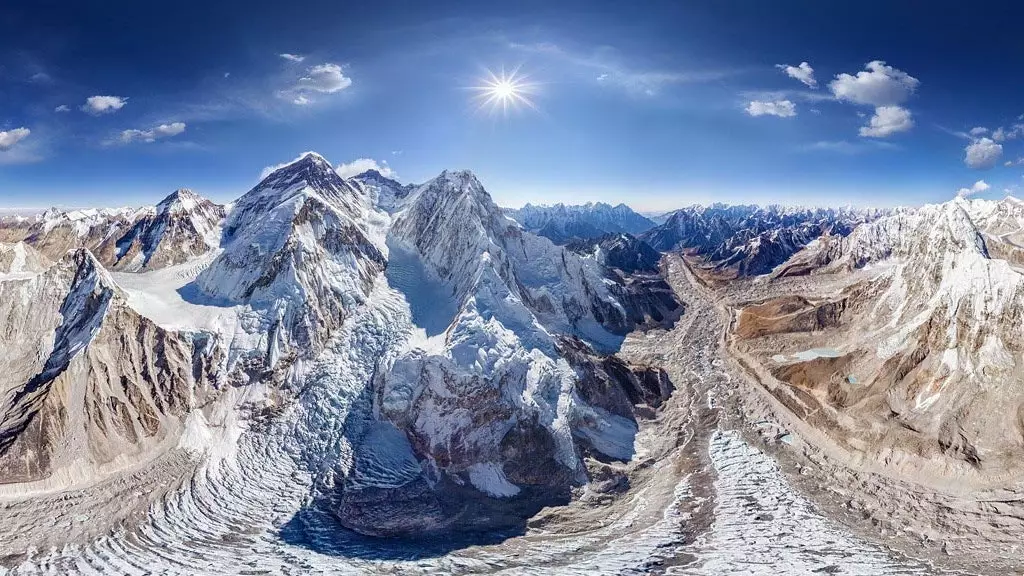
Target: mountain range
column 415, row 362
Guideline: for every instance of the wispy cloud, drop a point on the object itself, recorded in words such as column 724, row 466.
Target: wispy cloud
column 809, row 96
column 9, row 138
column 360, row 165
column 803, row 73
column 292, row 57
column 607, row 66
column 848, row 148
column 326, row 78
column 976, row 188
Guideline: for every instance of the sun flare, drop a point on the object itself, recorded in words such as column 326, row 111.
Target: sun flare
column 504, row 92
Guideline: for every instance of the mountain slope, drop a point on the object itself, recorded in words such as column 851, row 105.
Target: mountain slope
column 926, row 334
column 384, row 193
column 89, row 386
column 296, row 248
column 504, row 403
column 183, row 225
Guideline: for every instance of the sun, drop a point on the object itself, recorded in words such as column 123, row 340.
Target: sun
column 504, row 91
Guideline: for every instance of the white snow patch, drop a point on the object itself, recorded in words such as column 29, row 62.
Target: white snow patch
column 489, row 478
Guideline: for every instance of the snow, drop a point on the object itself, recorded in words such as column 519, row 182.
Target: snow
column 160, row 295
column 488, row 477
column 431, row 300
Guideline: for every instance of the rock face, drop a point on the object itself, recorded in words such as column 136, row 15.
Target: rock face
column 926, row 335
column 750, row 240
column 622, row 251
column 561, row 224
column 180, row 227
column 20, row 258
column 88, row 384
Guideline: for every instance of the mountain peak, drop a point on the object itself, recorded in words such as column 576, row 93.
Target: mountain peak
column 306, row 166
column 309, row 171
column 373, row 175
column 181, row 200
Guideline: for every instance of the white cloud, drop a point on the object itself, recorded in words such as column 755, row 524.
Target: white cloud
column 326, row 78
column 804, row 73
column 878, row 85
column 1016, row 162
column 103, row 104
column 323, row 79
column 979, row 131
column 977, row 187
column 888, row 120
column 360, row 165
column 292, row 57
column 982, row 154
column 62, row 108
column 9, row 138
column 152, row 134
column 780, row 108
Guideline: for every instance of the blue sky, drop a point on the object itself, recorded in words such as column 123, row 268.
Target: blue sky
column 657, row 104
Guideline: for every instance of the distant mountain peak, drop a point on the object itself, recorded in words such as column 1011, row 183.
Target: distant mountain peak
column 181, row 200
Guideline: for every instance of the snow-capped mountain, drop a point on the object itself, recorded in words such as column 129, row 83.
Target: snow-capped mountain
column 930, row 327
column 415, row 356
column 80, row 399
column 493, row 406
column 750, row 240
column 561, row 223
column 296, row 247
column 622, row 251
column 20, row 258
column 181, row 226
